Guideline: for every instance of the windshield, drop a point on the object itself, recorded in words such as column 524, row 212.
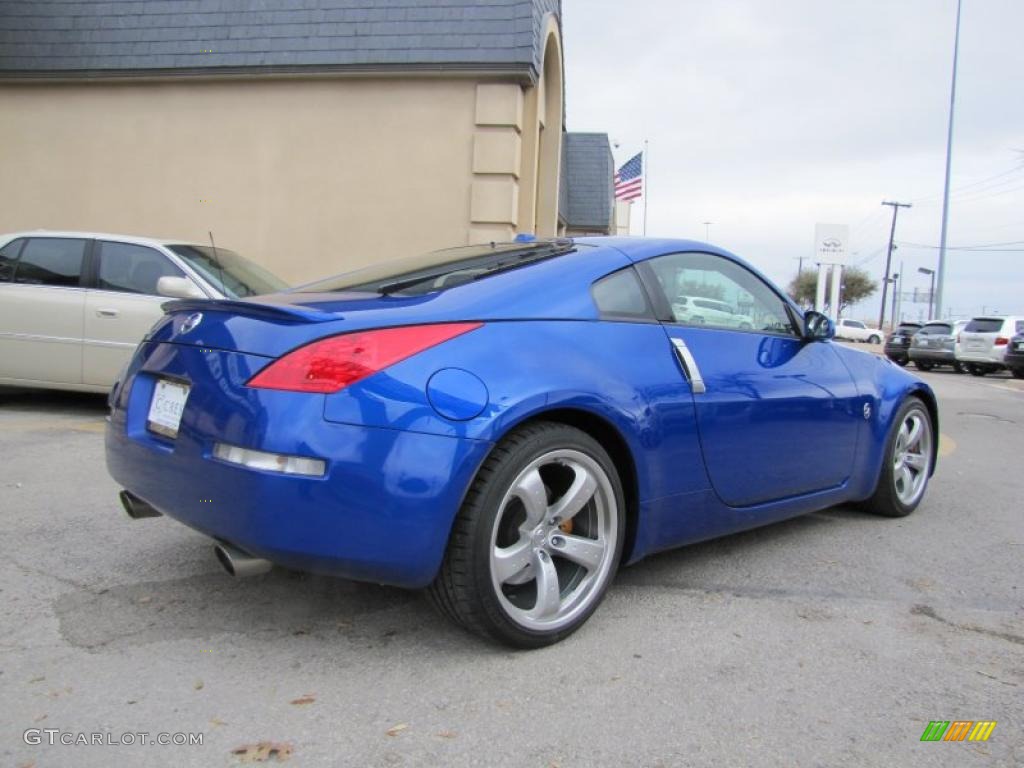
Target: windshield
column 233, row 275
column 440, row 270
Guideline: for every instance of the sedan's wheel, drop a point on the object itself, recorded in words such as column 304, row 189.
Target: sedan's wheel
column 909, row 458
column 538, row 540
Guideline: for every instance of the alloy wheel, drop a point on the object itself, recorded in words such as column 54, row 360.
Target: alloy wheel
column 554, row 538
column 912, row 456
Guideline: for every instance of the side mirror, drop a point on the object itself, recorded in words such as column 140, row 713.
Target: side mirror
column 818, row 327
column 178, row 288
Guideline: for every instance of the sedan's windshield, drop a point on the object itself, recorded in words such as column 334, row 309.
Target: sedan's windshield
column 440, row 270
column 233, row 275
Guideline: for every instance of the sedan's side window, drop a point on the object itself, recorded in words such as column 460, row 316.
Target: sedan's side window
column 54, row 261
column 708, row 290
column 132, row 268
column 9, row 258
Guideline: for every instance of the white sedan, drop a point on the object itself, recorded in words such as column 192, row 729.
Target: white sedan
column 74, row 305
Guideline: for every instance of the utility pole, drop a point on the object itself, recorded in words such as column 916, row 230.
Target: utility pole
column 941, row 277
column 888, row 259
column 800, row 267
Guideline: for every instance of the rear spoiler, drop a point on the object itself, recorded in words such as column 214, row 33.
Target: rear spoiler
column 290, row 313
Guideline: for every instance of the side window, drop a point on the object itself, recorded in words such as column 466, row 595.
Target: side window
column 620, row 295
column 55, row 261
column 735, row 298
column 132, row 268
column 8, row 259
column 1020, row 327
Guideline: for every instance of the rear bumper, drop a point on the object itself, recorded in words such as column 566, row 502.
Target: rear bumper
column 932, row 355
column 988, row 358
column 382, row 512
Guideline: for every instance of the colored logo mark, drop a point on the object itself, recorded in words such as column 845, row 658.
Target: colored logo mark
column 958, row 730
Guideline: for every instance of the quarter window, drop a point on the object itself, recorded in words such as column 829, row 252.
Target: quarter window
column 132, row 268
column 51, row 261
column 707, row 290
column 621, row 294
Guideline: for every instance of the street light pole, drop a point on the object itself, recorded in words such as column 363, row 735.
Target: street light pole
column 931, row 291
column 888, row 259
column 707, row 231
column 949, row 159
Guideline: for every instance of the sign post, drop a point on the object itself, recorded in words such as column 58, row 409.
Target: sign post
column 830, row 246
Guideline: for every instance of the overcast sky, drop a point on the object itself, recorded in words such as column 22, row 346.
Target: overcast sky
column 767, row 116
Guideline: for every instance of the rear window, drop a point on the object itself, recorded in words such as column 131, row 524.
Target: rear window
column 936, row 329
column 440, row 270
column 984, row 325
column 908, row 328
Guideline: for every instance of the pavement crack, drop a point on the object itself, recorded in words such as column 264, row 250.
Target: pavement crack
column 927, row 610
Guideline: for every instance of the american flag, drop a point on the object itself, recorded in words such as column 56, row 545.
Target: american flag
column 629, row 180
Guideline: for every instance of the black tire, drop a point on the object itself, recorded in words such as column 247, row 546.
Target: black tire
column 901, row 361
column 1018, row 373
column 464, row 590
column 886, row 500
column 874, row 339
column 976, row 370
column 958, row 368
column 923, row 365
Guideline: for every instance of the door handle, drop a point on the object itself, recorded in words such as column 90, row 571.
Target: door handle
column 107, row 313
column 690, row 368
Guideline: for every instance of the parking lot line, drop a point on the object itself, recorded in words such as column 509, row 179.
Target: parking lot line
column 44, row 425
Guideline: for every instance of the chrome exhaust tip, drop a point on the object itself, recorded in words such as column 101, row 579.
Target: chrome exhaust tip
column 136, row 507
column 238, row 563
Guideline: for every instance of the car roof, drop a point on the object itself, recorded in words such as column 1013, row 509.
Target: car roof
column 136, row 239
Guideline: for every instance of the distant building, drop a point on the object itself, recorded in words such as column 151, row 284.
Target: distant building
column 312, row 136
column 587, row 206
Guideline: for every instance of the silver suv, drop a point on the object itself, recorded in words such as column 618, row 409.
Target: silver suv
column 981, row 345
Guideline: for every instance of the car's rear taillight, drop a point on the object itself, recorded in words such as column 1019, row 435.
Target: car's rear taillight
column 1002, row 341
column 331, row 364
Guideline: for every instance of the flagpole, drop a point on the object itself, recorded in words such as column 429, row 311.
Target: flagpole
column 646, row 169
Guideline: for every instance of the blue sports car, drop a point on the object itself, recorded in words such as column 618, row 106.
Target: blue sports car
column 505, row 425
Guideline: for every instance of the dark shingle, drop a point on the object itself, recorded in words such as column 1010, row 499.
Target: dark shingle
column 123, row 37
column 587, row 178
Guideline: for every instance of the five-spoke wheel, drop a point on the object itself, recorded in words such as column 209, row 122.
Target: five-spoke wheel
column 910, row 456
column 538, row 539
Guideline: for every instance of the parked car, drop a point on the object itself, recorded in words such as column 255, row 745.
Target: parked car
column 855, row 330
column 1014, row 358
column 698, row 309
column 898, row 342
column 933, row 345
column 981, row 345
column 74, row 305
column 505, row 425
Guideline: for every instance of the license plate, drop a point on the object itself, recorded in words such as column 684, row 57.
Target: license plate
column 166, row 407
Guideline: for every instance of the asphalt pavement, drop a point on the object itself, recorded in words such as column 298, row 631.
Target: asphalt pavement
column 831, row 639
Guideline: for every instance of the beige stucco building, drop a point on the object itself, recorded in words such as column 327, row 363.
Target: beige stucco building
column 311, row 139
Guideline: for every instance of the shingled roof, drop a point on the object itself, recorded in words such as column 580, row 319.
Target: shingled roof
column 132, row 37
column 587, row 179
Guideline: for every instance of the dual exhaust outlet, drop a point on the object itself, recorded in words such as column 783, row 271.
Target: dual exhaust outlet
column 236, row 562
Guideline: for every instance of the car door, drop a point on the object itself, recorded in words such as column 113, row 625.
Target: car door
column 778, row 416
column 121, row 305
column 41, row 305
